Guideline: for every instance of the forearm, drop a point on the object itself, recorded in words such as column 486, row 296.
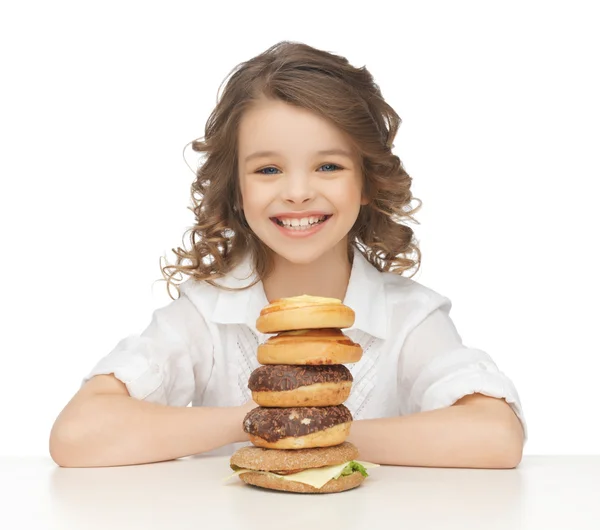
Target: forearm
column 459, row 436
column 114, row 430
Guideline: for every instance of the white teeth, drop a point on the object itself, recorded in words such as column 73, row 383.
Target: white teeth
column 301, row 224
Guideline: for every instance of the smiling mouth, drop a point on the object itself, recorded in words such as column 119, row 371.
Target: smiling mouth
column 300, row 224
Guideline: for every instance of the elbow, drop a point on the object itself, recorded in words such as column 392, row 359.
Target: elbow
column 502, row 436
column 510, row 458
column 63, row 445
column 509, row 441
column 514, row 453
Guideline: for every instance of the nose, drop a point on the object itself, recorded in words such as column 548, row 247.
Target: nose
column 297, row 188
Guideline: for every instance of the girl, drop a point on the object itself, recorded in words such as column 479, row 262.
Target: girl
column 299, row 194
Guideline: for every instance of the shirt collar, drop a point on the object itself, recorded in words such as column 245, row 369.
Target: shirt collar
column 365, row 295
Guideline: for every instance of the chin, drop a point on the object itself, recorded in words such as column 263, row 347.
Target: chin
column 298, row 255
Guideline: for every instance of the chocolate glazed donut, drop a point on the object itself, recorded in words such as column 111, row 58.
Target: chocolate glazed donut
column 300, row 386
column 298, row 427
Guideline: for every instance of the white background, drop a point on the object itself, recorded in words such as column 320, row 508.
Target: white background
column 500, row 133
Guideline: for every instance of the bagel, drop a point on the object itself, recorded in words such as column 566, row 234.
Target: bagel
column 304, row 312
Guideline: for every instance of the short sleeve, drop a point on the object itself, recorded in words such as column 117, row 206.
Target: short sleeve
column 169, row 362
column 436, row 369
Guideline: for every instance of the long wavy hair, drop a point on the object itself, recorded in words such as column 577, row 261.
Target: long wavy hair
column 349, row 98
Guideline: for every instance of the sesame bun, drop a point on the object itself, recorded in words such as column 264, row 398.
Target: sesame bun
column 304, row 312
column 298, row 427
column 273, row 460
column 309, row 346
column 300, row 386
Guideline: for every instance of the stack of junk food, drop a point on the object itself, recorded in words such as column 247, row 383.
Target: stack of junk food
column 300, row 427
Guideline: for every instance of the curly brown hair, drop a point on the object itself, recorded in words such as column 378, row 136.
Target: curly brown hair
column 348, row 97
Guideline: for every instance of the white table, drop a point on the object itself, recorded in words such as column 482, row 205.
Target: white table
column 561, row 492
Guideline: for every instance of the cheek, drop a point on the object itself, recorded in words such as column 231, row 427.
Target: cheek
column 245, row 192
column 252, row 197
column 347, row 194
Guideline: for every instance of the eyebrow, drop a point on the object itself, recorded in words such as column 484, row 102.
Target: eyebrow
column 261, row 154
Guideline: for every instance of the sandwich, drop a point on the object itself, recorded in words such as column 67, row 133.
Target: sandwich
column 315, row 470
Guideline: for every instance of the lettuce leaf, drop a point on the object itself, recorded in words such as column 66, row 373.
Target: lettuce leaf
column 351, row 467
column 348, row 469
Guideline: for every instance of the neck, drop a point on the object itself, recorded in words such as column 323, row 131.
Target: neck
column 327, row 276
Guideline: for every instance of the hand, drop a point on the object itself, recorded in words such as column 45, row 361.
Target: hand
column 247, row 407
column 242, row 410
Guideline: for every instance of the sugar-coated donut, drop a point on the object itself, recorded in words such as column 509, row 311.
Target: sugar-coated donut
column 309, row 346
column 304, row 312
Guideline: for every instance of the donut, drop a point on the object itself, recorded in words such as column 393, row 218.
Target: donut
column 309, row 346
column 300, row 386
column 304, row 312
column 298, row 427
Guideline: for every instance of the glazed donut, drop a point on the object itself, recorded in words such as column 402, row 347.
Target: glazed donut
column 298, row 427
column 300, row 386
column 309, row 346
column 304, row 312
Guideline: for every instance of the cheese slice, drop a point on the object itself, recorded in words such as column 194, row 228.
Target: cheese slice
column 316, row 478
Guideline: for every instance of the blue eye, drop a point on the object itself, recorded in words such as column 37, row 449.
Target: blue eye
column 336, row 167
column 263, row 171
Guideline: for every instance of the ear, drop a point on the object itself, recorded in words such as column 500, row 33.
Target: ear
column 364, row 200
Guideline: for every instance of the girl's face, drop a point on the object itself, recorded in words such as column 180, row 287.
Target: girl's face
column 300, row 181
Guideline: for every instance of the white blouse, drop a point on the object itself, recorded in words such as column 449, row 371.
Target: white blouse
column 201, row 348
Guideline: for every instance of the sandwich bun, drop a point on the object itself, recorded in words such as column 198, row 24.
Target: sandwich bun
column 274, row 460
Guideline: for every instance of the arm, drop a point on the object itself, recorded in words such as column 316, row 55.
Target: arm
column 476, row 432
column 132, row 407
column 444, row 421
column 104, row 426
